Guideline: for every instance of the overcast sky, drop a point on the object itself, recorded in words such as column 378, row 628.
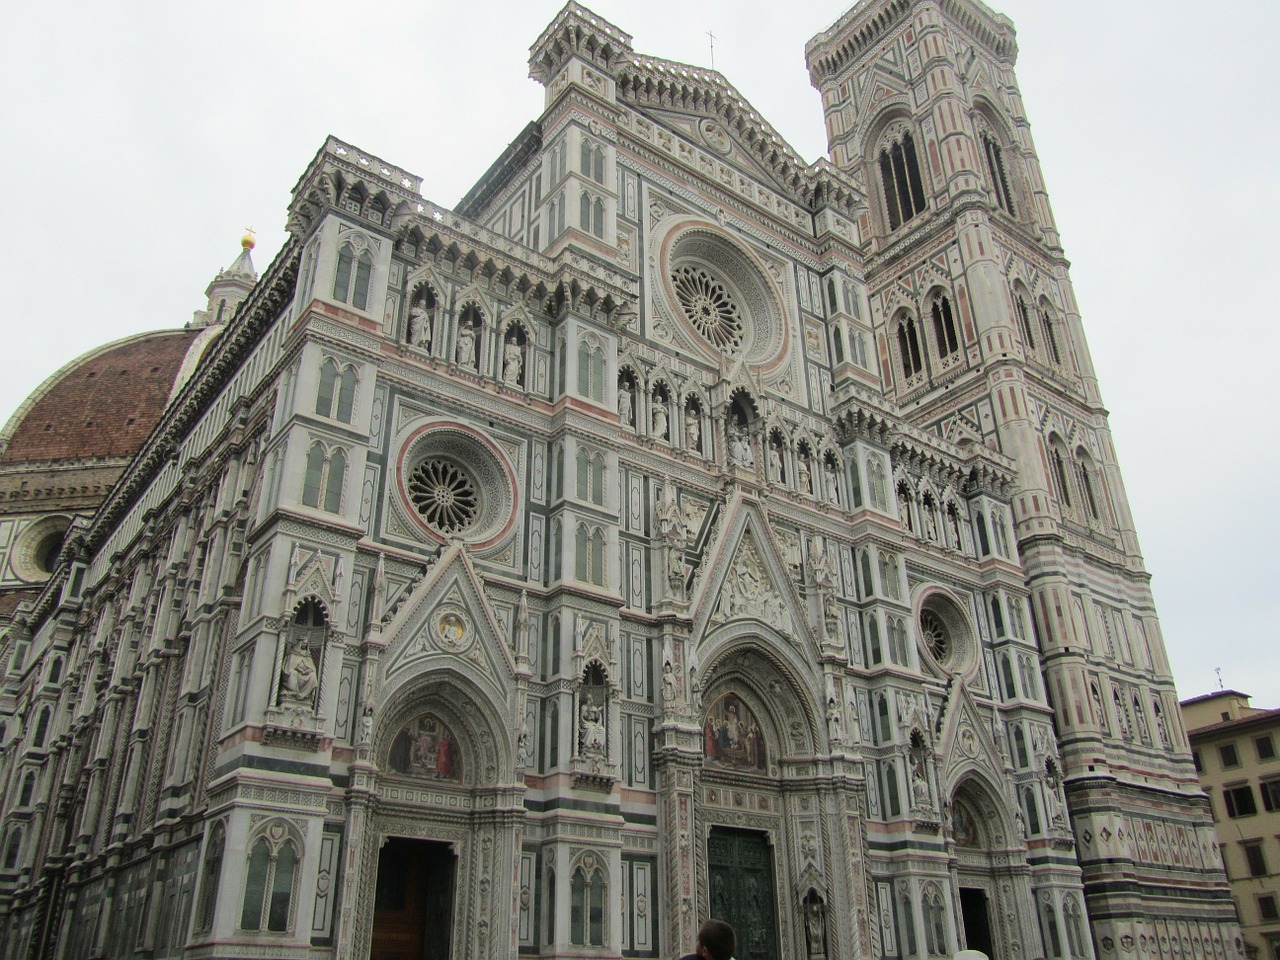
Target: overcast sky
column 140, row 139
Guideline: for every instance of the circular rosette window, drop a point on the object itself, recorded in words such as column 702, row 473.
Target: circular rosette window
column 719, row 291
column 35, row 555
column 944, row 634
column 457, row 483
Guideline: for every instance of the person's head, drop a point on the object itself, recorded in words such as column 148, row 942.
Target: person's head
column 716, row 940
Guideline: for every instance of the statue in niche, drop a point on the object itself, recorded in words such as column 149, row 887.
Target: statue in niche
column 466, row 345
column 834, row 721
column 805, row 474
column 732, row 736
column 815, row 915
column 823, row 571
column 930, row 522
column 904, row 508
column 420, row 326
column 775, row 463
column 740, row 447
column 624, row 403
column 668, row 682
column 833, row 485
column 512, row 363
column 659, row 418
column 299, row 678
column 591, row 727
column 426, row 747
column 692, row 430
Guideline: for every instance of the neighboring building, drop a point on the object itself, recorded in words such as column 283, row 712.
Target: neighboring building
column 674, row 528
column 1234, row 747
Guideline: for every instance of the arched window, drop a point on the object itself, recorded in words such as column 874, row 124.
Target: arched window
column 586, row 908
column 868, row 582
column 1088, row 482
column 12, row 849
column 898, row 640
column 344, row 386
column 908, row 919
column 1024, row 318
column 1031, row 810
column 1052, row 938
column 900, row 179
column 889, row 575
column 1058, row 460
column 875, row 654
column 42, row 728
column 589, row 558
column 591, row 370
column 1020, row 757
column 584, row 211
column 324, row 477
column 351, row 280
column 1007, row 682
column 211, row 877
column 883, row 731
column 1047, row 323
column 997, row 619
column 1075, row 929
column 893, row 801
column 591, row 476
column 597, row 218
column 55, row 670
column 995, row 168
column 28, row 789
column 875, row 475
column 909, row 347
column 553, row 736
column 944, row 327
column 268, row 887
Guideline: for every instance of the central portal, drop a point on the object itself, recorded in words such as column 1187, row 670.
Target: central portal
column 413, row 903
column 740, row 869
column 977, row 921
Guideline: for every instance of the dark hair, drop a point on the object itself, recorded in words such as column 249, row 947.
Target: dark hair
column 719, row 939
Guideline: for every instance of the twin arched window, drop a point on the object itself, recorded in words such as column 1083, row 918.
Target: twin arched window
column 586, row 908
column 351, row 281
column 995, row 169
column 269, row 886
column 591, row 370
column 900, row 179
column 591, row 476
column 944, row 327
column 335, row 386
column 589, row 555
column 322, row 485
column 591, row 214
column 592, row 161
column 909, row 347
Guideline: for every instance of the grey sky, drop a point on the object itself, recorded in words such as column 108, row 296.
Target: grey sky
column 140, row 139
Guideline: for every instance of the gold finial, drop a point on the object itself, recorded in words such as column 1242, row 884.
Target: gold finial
column 247, row 241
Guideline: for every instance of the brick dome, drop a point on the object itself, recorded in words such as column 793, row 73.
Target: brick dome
column 102, row 405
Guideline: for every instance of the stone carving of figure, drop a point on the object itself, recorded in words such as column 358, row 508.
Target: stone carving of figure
column 814, row 915
column 904, row 508
column 740, row 448
column 668, row 682
column 591, row 718
column 466, row 345
column 775, row 464
column 674, row 534
column 833, row 485
column 824, row 569
column 833, row 720
column 420, row 326
column 806, row 476
column 299, row 679
column 930, row 523
column 366, row 727
column 512, row 364
column 1161, row 729
column 624, row 403
column 659, row 419
column 692, row 429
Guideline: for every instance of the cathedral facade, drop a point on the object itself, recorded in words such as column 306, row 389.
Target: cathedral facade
column 672, row 529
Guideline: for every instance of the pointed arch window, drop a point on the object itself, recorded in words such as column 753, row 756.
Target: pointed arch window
column 1007, row 682
column 1050, row 337
column 1060, row 474
column 42, row 728
column 909, row 347
column 935, row 922
column 591, row 476
column 586, row 907
column 1088, row 483
column 28, row 789
column 351, row 281
column 322, row 483
column 592, row 161
column 269, row 886
column 875, row 654
column 944, row 327
column 1024, row 318
column 591, row 370
column 589, row 555
column 12, row 849
column 900, row 179
column 995, row 168
column 339, row 386
column 211, row 877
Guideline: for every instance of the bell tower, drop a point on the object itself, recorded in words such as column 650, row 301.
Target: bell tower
column 979, row 340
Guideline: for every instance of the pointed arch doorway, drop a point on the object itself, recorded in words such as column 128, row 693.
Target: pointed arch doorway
column 985, row 863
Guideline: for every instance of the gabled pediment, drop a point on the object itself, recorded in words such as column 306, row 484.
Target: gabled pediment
column 746, row 578
column 446, row 623
column 965, row 742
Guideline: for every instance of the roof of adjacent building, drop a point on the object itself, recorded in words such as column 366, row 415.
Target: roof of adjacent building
column 103, row 404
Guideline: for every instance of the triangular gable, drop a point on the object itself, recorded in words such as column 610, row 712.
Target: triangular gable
column 447, row 622
column 964, row 740
column 313, row 575
column 746, row 578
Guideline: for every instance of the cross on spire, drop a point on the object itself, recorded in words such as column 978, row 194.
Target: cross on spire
column 712, row 36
